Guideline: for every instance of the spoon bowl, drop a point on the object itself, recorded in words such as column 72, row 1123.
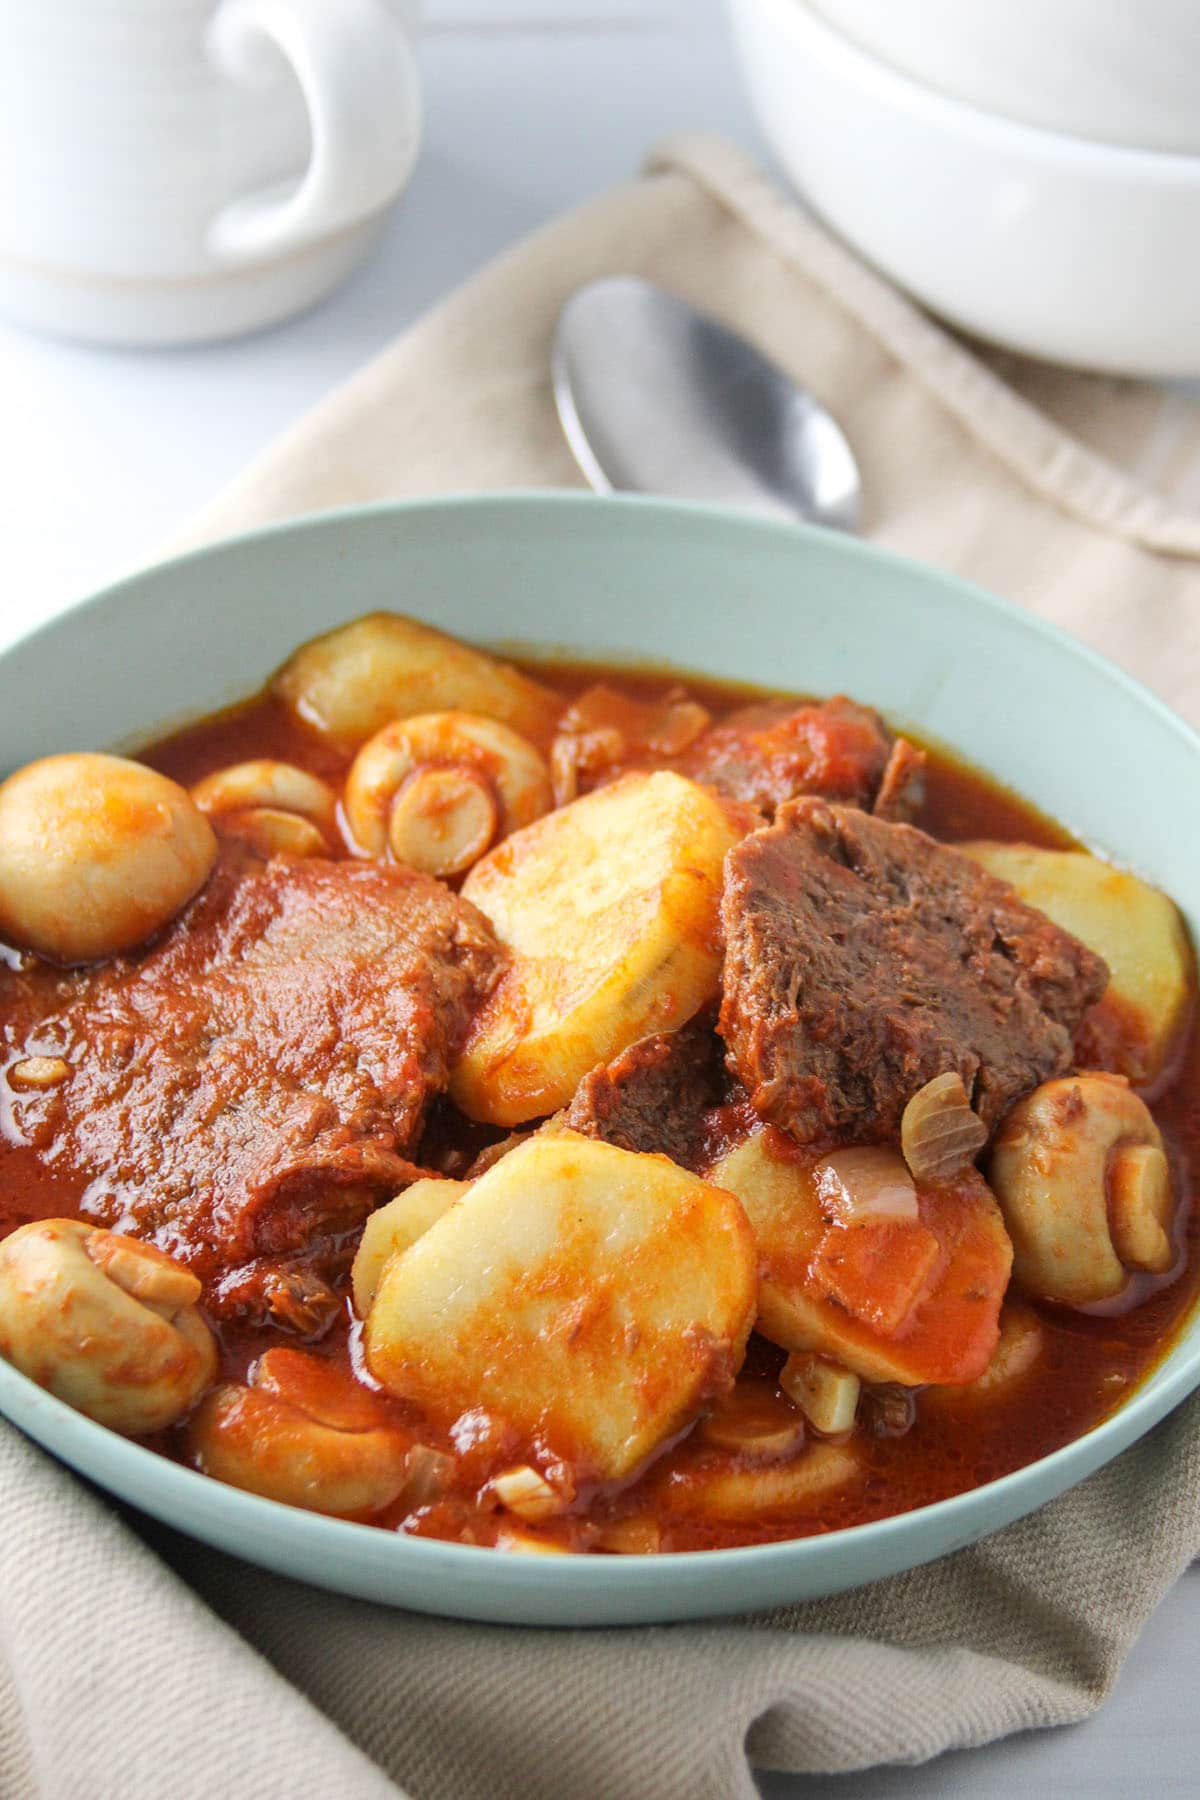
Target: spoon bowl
column 658, row 398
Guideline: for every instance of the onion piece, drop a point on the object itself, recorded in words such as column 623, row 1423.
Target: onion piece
column 428, row 1473
column 866, row 1183
column 523, row 1491
column 939, row 1133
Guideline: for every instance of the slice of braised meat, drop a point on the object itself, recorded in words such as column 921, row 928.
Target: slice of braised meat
column 767, row 754
column 257, row 1080
column 652, row 1097
column 863, row 958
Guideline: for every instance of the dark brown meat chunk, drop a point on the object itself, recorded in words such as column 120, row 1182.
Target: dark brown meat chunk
column 862, row 959
column 258, row 1079
column 773, row 752
column 653, row 1096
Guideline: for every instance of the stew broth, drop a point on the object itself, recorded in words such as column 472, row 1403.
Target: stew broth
column 939, row 1443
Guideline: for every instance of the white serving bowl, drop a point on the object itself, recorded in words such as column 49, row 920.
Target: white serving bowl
column 1079, row 253
column 620, row 579
column 1120, row 74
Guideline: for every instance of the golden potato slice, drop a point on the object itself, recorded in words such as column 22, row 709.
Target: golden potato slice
column 353, row 681
column 1133, row 926
column 610, row 909
column 871, row 1295
column 592, row 1298
column 392, row 1228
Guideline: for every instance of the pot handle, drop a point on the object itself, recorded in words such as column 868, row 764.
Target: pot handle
column 356, row 70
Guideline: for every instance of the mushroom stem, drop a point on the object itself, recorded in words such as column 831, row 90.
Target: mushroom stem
column 1139, row 1207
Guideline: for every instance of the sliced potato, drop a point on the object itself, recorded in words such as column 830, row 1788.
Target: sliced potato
column 592, row 1298
column 353, row 681
column 610, row 909
column 853, row 1292
column 1133, row 926
column 392, row 1228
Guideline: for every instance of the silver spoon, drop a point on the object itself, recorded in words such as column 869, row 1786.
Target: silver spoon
column 658, row 398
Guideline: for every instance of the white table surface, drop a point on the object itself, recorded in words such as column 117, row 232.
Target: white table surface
column 103, row 454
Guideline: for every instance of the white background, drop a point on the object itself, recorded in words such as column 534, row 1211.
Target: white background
column 104, row 455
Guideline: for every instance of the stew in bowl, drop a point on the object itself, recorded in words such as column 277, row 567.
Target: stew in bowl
column 559, row 1108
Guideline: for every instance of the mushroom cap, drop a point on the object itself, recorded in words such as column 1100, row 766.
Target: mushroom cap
column 96, row 854
column 1080, row 1207
column 438, row 788
column 272, row 808
column 105, row 1323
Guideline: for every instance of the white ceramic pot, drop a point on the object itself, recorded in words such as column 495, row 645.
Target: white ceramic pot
column 1075, row 252
column 195, row 168
column 1120, row 74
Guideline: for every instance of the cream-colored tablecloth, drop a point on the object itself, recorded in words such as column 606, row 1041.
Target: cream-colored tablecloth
column 136, row 1663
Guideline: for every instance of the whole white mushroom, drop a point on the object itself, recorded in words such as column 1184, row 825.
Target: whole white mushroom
column 106, row 1323
column 1083, row 1181
column 96, row 854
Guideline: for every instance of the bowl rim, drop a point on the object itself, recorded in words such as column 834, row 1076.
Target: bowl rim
column 904, row 93
column 158, row 1481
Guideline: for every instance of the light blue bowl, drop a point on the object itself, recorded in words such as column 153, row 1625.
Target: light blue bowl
column 636, row 580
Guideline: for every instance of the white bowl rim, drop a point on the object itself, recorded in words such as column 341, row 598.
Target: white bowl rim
column 158, row 1481
column 905, row 93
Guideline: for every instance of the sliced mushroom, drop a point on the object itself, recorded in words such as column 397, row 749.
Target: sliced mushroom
column 273, row 807
column 308, row 1435
column 1082, row 1178
column 104, row 1322
column 753, row 1422
column 798, row 1485
column 97, row 853
column 604, row 728
column 438, row 790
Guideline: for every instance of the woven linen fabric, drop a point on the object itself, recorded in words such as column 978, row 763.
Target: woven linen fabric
column 135, row 1662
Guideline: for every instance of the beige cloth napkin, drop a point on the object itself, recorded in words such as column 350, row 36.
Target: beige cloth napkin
column 132, row 1670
